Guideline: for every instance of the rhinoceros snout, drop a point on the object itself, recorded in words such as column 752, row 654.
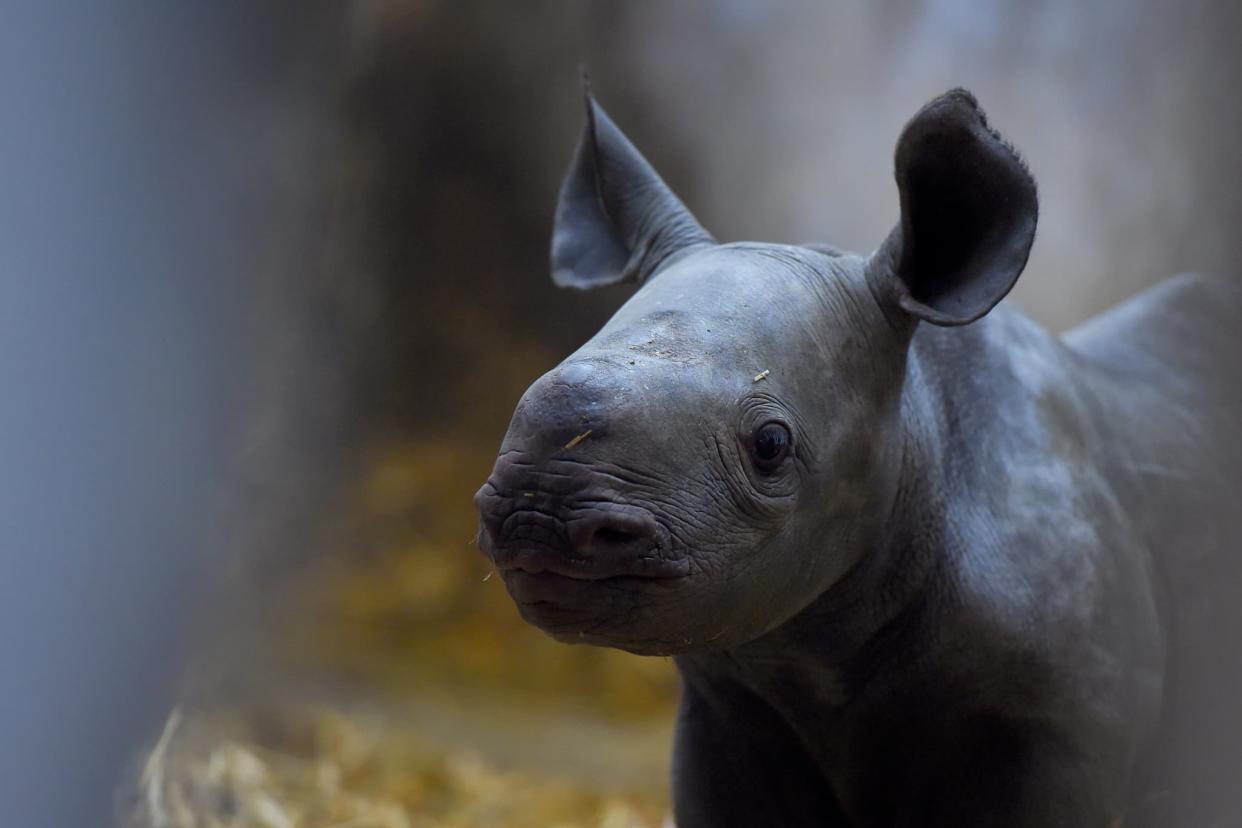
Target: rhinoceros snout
column 567, row 521
column 571, row 410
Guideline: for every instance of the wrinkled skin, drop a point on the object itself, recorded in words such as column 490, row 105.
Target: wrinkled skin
column 919, row 564
column 665, row 399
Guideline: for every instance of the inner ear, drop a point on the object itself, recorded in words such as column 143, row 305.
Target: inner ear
column 968, row 213
column 616, row 220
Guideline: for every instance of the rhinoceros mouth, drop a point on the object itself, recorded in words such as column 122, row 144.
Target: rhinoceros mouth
column 614, row 611
column 581, row 555
column 536, row 563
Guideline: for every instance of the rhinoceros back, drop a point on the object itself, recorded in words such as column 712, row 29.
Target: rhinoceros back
column 1167, row 368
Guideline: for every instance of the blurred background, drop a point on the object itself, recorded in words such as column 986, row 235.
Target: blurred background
column 272, row 276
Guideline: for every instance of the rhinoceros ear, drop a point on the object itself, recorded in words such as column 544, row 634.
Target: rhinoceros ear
column 968, row 214
column 616, row 221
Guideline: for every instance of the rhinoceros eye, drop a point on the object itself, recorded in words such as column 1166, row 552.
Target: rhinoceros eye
column 769, row 445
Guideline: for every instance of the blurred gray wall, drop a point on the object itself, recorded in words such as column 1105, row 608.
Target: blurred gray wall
column 773, row 120
column 141, row 151
column 1127, row 113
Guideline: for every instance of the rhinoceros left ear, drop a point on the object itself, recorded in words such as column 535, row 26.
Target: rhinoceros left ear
column 968, row 214
column 616, row 221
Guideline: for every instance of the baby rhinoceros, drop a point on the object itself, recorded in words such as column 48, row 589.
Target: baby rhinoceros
column 919, row 562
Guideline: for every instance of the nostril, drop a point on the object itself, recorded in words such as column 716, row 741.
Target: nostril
column 611, row 536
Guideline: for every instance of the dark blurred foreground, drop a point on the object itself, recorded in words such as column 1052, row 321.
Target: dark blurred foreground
column 274, row 274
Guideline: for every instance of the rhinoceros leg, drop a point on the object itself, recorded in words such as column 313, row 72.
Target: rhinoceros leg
column 741, row 765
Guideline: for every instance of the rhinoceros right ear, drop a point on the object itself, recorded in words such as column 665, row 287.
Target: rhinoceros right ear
column 616, row 221
column 968, row 214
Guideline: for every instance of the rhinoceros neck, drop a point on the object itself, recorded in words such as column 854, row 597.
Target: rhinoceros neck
column 883, row 614
column 823, row 654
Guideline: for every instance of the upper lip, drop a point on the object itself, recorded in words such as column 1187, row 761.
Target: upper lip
column 537, row 562
column 533, row 524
